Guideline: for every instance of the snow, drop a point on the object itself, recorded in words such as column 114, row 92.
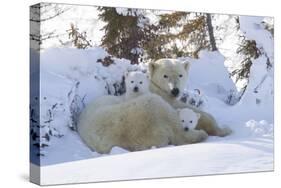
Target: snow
column 217, row 82
column 145, row 16
column 80, row 16
column 129, row 11
column 70, row 78
column 228, row 42
column 199, row 159
column 253, row 29
column 259, row 93
column 137, row 51
column 261, row 128
column 67, row 159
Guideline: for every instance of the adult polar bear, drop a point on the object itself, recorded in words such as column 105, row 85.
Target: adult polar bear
column 168, row 77
column 146, row 121
column 135, row 125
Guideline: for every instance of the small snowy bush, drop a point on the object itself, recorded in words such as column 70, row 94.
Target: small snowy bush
column 232, row 97
column 260, row 128
column 42, row 129
column 75, row 105
column 194, row 98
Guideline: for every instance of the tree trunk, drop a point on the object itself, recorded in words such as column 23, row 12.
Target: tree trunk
column 211, row 33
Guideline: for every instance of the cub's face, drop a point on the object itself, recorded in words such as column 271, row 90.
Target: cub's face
column 136, row 82
column 188, row 118
column 170, row 75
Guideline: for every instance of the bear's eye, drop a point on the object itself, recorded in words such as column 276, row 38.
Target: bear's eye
column 180, row 75
column 190, row 121
column 140, row 82
column 132, row 82
column 182, row 121
column 165, row 76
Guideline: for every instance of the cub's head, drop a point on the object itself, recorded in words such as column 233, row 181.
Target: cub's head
column 136, row 83
column 188, row 118
column 170, row 75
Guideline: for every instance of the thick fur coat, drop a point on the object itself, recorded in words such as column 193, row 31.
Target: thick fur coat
column 168, row 78
column 134, row 125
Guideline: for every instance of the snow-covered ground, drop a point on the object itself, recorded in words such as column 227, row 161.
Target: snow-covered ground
column 249, row 148
column 71, row 78
column 212, row 157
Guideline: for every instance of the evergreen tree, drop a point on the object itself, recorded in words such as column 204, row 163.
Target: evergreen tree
column 194, row 32
column 123, row 34
column 128, row 34
column 250, row 51
column 78, row 39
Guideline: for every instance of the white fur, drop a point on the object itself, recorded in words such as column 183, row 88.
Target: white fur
column 167, row 74
column 137, row 124
column 188, row 118
column 137, row 84
column 137, row 77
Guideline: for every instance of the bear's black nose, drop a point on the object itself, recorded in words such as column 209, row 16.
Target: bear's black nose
column 186, row 129
column 175, row 92
column 136, row 89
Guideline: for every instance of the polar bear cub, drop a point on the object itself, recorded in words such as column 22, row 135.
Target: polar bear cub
column 188, row 118
column 137, row 84
column 135, row 125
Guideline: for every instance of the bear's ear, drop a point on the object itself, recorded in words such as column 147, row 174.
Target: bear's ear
column 151, row 67
column 186, row 65
column 198, row 115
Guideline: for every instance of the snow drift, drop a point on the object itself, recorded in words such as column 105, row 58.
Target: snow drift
column 71, row 78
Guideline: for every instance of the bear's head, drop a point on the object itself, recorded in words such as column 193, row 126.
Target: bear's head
column 188, row 118
column 136, row 83
column 169, row 75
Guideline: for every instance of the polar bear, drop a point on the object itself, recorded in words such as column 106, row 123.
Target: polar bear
column 144, row 122
column 168, row 77
column 137, row 84
column 188, row 118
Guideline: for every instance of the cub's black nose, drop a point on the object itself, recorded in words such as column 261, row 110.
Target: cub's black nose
column 186, row 129
column 175, row 92
column 136, row 89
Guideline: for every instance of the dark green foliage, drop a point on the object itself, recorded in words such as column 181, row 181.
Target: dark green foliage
column 251, row 51
column 192, row 30
column 122, row 34
column 41, row 132
column 106, row 61
column 244, row 72
column 78, row 39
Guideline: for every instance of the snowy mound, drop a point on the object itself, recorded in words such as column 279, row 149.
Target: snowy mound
column 234, row 84
column 71, row 78
column 210, row 76
column 261, row 128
